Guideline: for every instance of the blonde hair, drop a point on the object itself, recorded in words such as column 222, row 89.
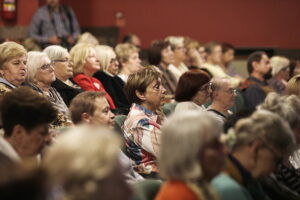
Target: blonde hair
column 78, row 54
column 104, row 54
column 55, row 52
column 9, row 51
column 181, row 145
column 81, row 158
column 278, row 63
column 124, row 51
column 268, row 127
column 293, row 86
column 34, row 62
column 87, row 37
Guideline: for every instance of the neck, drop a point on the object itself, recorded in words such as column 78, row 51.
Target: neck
column 258, row 75
column 125, row 71
column 88, row 72
column 221, row 107
column 43, row 86
column 15, row 146
column 164, row 65
column 148, row 107
column 63, row 79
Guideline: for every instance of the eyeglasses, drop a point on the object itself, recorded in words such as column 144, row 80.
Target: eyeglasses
column 277, row 157
column 230, row 91
column 46, row 66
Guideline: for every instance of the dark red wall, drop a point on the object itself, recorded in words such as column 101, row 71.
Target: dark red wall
column 245, row 23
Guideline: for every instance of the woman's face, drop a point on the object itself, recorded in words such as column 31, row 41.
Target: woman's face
column 45, row 73
column 113, row 67
column 167, row 56
column 91, row 62
column 14, row 70
column 63, row 68
column 133, row 63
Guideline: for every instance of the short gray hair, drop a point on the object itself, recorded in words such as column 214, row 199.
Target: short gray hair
column 268, row 127
column 34, row 61
column 55, row 52
column 183, row 137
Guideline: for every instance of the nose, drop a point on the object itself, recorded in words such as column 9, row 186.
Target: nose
column 111, row 115
column 163, row 89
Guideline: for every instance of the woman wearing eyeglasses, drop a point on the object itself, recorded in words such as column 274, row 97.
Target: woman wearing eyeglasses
column 108, row 76
column 191, row 91
column 63, row 69
column 13, row 58
column 40, row 77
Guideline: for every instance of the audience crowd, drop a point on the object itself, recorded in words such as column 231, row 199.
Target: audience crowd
column 83, row 120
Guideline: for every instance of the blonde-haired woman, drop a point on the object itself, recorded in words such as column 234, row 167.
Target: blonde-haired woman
column 190, row 156
column 89, row 173
column 85, row 66
column 280, row 73
column 13, row 58
column 293, row 86
column 108, row 76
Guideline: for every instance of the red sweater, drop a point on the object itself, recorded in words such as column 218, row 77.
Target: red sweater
column 91, row 84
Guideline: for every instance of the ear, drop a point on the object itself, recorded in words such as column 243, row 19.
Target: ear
column 86, row 118
column 140, row 95
column 254, row 148
column 18, row 133
column 254, row 65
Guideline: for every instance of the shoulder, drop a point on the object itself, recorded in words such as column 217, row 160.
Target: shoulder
column 176, row 190
column 228, row 188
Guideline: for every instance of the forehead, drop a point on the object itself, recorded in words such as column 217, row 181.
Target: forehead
column 101, row 103
column 22, row 57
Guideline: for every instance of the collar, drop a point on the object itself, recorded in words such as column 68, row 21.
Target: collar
column 252, row 78
column 2, row 80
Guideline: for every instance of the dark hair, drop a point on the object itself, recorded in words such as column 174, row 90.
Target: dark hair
column 27, row 108
column 209, row 47
column 128, row 38
column 189, row 84
column 226, row 47
column 139, row 81
column 154, row 52
column 84, row 103
column 254, row 57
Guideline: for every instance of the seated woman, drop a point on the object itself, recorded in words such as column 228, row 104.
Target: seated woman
column 63, row 69
column 192, row 91
column 13, row 58
column 40, row 77
column 108, row 76
column 223, row 95
column 190, row 156
column 162, row 56
column 280, row 73
column 85, row 66
column 128, row 56
column 84, row 164
column 259, row 142
column 141, row 128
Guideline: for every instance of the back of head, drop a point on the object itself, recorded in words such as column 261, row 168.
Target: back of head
column 10, row 50
column 78, row 54
column 267, row 127
column 293, row 86
column 84, row 103
column 189, row 84
column 254, row 57
column 139, row 81
column 209, row 47
column 154, row 52
column 104, row 54
column 25, row 107
column 226, row 47
column 181, row 145
column 83, row 160
column 87, row 38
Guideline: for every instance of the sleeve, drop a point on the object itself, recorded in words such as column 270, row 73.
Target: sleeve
column 254, row 96
column 35, row 26
column 148, row 136
column 76, row 27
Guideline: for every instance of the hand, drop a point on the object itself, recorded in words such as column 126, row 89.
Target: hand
column 54, row 40
column 70, row 39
